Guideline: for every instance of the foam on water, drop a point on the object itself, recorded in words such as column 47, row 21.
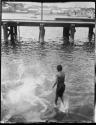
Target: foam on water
column 23, row 96
column 64, row 107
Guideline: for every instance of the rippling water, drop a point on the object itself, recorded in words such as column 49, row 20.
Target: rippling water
column 28, row 72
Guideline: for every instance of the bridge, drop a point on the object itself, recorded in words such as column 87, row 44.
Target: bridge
column 68, row 24
column 58, row 22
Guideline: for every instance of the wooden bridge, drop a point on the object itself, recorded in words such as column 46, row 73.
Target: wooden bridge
column 68, row 24
column 58, row 22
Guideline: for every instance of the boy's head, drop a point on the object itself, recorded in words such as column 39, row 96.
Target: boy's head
column 59, row 68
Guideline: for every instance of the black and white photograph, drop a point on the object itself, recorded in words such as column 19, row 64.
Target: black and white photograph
column 48, row 66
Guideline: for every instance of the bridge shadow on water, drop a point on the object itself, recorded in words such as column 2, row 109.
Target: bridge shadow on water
column 10, row 46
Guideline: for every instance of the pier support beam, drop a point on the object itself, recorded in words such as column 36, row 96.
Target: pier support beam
column 72, row 32
column 10, row 31
column 90, row 34
column 5, row 32
column 41, row 33
column 13, row 33
column 66, row 34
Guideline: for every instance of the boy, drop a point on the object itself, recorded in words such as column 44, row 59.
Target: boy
column 60, row 78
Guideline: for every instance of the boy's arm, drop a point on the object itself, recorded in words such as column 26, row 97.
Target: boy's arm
column 55, row 83
column 64, row 78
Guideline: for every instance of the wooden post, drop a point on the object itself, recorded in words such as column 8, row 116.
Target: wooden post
column 13, row 33
column 5, row 32
column 41, row 28
column 41, row 11
column 66, row 34
column 90, row 33
column 8, row 29
column 72, row 31
column 41, row 33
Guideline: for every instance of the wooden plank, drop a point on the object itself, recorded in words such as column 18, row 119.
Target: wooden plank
column 49, row 23
column 56, row 20
column 76, row 19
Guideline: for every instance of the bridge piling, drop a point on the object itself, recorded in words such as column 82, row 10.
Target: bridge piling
column 66, row 34
column 10, row 27
column 41, row 33
column 5, row 31
column 10, row 31
column 72, row 32
column 90, row 34
column 13, row 33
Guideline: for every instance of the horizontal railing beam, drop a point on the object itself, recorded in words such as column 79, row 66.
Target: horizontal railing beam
column 48, row 23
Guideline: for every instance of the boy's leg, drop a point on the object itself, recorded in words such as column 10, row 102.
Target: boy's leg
column 63, row 89
column 62, row 99
column 56, row 99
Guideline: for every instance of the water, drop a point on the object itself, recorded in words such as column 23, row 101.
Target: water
column 28, row 72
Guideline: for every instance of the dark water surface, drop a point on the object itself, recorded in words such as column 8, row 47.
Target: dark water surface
column 28, row 72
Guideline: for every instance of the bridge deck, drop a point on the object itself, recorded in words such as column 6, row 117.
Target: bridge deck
column 51, row 23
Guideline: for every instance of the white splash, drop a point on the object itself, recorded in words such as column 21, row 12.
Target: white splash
column 21, row 94
column 64, row 107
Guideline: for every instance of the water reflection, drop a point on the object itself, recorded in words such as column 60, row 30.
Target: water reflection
column 89, row 47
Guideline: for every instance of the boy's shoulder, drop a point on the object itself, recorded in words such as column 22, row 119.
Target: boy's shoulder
column 60, row 73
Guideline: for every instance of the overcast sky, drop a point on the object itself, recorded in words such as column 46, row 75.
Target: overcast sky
column 66, row 4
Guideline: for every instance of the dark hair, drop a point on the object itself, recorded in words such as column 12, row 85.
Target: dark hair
column 59, row 68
